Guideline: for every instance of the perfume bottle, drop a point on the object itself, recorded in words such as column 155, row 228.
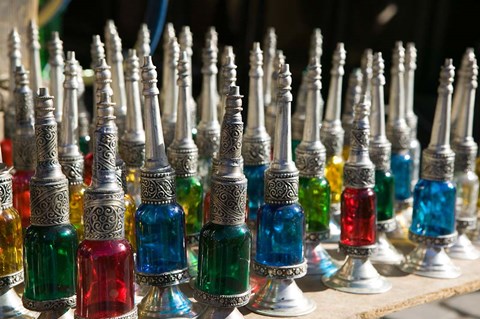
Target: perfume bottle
column 183, row 156
column 56, row 57
column 465, row 178
column 256, row 141
column 352, row 97
column 34, row 56
column 269, row 50
column 380, row 150
column 271, row 109
column 23, row 145
column 410, row 116
column 69, row 154
column 208, row 130
column 104, row 257
column 280, row 254
column 434, row 197
column 225, row 241
column 132, row 143
column 298, row 118
column 50, row 242
column 228, row 73
column 358, row 217
column 314, row 189
column 331, row 135
column 185, row 40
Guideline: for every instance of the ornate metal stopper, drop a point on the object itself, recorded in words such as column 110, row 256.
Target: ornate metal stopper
column 256, row 141
column 118, row 81
column 310, row 152
column 459, row 94
column 366, row 66
column 463, row 144
column 409, row 82
column 186, row 43
column 359, row 171
column 24, row 136
column 352, row 97
column 269, row 49
column 183, row 153
column 332, row 131
column 380, row 147
column 97, row 52
column 229, row 77
column 170, row 90
column 229, row 185
column 438, row 158
column 15, row 59
column 208, row 130
column 132, row 143
column 398, row 131
column 281, row 178
column 272, row 107
column 104, row 204
column 316, row 43
column 109, row 31
column 103, row 78
column 55, row 50
column 158, row 178
column 34, row 56
column 143, row 49
column 68, row 151
column 48, row 187
column 168, row 36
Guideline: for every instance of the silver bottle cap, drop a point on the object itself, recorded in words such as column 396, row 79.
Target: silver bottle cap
column 332, row 131
column 269, row 50
column 359, row 171
column 55, row 50
column 158, row 177
column 97, row 53
column 310, row 153
column 34, row 56
column 380, row 147
column 132, row 143
column 354, row 91
column 68, row 151
column 281, row 178
column 170, row 90
column 229, row 77
column 398, row 131
column 208, row 130
column 410, row 67
column 183, row 153
column 438, row 158
column 229, row 185
column 49, row 200
column 186, row 43
column 24, row 136
column 256, row 141
column 366, row 66
column 104, row 204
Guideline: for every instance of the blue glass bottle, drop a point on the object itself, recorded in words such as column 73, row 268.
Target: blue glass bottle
column 402, row 167
column 255, row 190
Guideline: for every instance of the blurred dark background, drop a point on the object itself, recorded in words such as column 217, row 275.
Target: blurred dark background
column 440, row 29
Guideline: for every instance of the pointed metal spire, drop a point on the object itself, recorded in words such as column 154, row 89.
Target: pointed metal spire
column 298, row 118
column 68, row 151
column 310, row 153
column 34, row 56
column 15, row 59
column 282, row 173
column 97, row 53
column 366, row 66
column 227, row 51
column 398, row 131
column 183, row 153
column 170, row 89
column 118, row 82
column 332, row 131
column 256, row 141
column 208, row 130
column 212, row 35
column 229, row 76
column 316, row 43
column 269, row 51
column 410, row 67
column 168, row 36
column 186, row 44
column 55, row 49
column 142, row 46
column 109, row 32
column 380, row 147
column 272, row 107
column 353, row 94
column 438, row 158
column 83, row 114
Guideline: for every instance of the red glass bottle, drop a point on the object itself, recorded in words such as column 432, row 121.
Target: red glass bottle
column 21, row 195
column 87, row 173
column 7, row 149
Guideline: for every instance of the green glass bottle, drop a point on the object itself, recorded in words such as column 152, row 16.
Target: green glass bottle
column 385, row 190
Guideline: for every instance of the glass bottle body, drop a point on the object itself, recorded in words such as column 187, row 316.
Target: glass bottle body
column 280, row 233
column 76, row 194
column 402, row 169
column 160, row 238
column 206, row 207
column 433, row 208
column 49, row 262
column 345, row 152
column 255, row 189
column 84, row 144
column 133, row 185
column 130, row 210
column 415, row 154
column 11, row 242
column 105, row 279
column 314, row 196
column 358, row 217
column 205, row 172
column 385, row 191
column 87, row 168
column 295, row 143
column 190, row 196
column 224, row 259
column 21, row 195
column 334, row 175
column 7, row 151
column 467, row 195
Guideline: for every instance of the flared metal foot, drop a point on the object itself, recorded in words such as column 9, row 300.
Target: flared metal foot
column 256, row 282
column 357, row 276
column 221, row 313
column 281, row 298
column 11, row 306
column 57, row 314
column 463, row 249
column 334, row 224
column 167, row 302
column 385, row 253
column 430, row 261
column 318, row 260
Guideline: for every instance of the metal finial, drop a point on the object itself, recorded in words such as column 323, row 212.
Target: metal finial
column 272, row 107
column 354, row 91
column 256, row 141
column 366, row 66
column 186, row 40
column 118, row 81
column 269, row 49
column 15, row 56
column 438, row 158
column 169, row 33
column 212, row 35
column 229, row 76
column 97, row 50
column 316, row 43
column 34, row 56
column 143, row 41
column 55, row 48
column 410, row 67
column 170, row 91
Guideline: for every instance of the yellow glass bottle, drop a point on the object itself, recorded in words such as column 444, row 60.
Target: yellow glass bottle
column 130, row 209
column 334, row 175
column 76, row 193
column 11, row 244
